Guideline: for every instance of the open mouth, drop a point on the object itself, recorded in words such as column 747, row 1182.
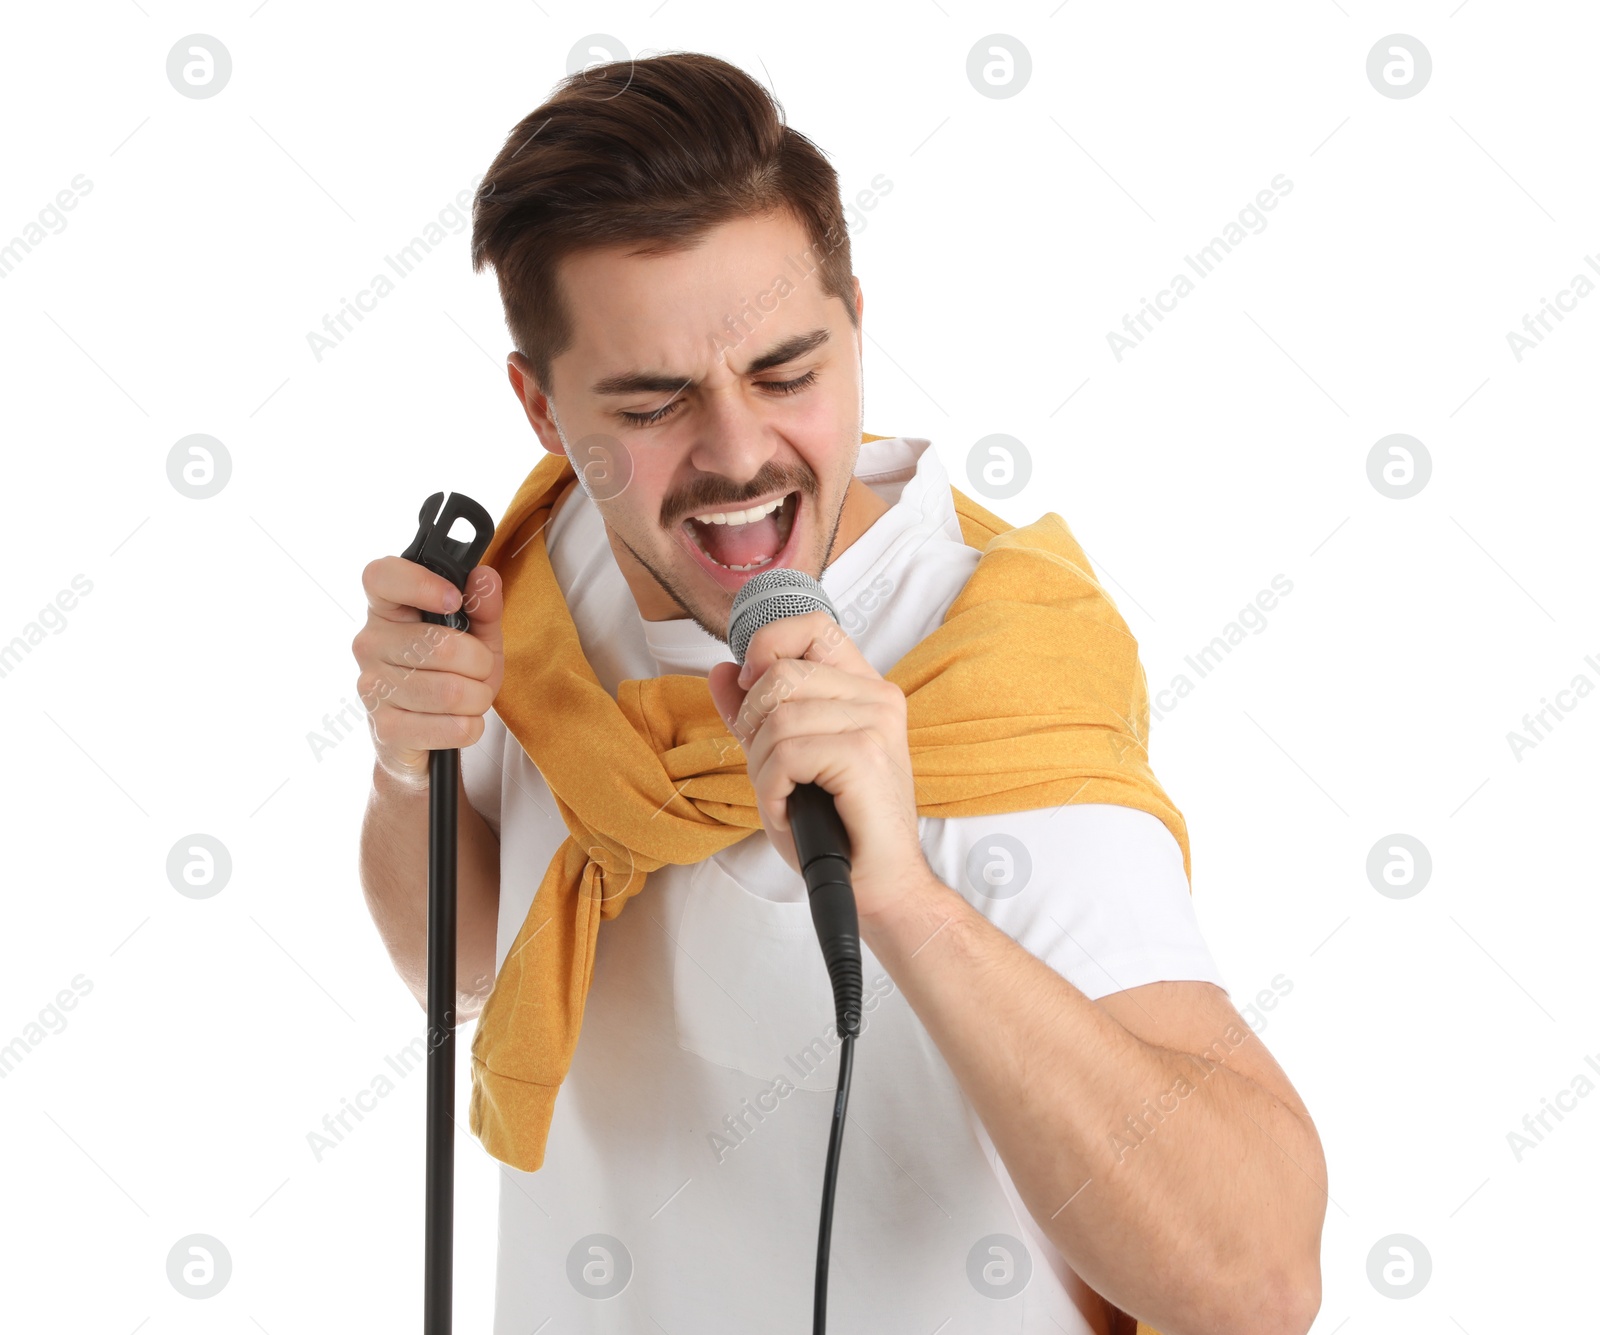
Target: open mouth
column 736, row 544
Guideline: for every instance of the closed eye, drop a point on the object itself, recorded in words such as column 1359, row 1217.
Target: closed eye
column 780, row 386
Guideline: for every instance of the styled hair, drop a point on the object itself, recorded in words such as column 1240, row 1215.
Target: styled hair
column 652, row 152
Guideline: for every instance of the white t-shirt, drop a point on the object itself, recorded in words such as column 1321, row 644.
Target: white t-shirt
column 682, row 1181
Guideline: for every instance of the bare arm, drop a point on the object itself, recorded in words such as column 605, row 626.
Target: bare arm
column 1151, row 1135
column 427, row 687
column 394, row 878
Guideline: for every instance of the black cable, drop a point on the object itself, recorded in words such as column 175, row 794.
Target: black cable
column 822, row 847
column 830, row 1176
column 820, row 840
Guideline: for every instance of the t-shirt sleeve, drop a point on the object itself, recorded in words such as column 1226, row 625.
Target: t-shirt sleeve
column 1096, row 891
column 483, row 770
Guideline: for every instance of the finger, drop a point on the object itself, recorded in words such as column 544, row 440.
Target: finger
column 726, row 694
column 425, row 692
column 817, row 718
column 397, row 729
column 816, row 637
column 425, row 646
column 484, row 604
column 396, row 588
column 827, row 761
column 797, row 679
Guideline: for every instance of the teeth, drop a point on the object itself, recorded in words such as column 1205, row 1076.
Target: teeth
column 736, row 517
column 754, row 565
column 739, row 517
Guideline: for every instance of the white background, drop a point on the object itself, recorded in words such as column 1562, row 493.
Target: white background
column 1229, row 447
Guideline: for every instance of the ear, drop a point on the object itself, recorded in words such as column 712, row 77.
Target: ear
column 535, row 402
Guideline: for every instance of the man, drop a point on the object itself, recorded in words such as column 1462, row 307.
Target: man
column 1056, row 1117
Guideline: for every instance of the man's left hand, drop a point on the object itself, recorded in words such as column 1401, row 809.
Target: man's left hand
column 816, row 711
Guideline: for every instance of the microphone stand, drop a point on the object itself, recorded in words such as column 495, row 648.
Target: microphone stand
column 434, row 549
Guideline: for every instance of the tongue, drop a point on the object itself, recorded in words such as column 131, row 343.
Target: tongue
column 740, row 544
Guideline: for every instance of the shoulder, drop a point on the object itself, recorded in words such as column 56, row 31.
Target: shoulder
column 1095, row 890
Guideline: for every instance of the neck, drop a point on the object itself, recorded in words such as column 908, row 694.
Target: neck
column 862, row 507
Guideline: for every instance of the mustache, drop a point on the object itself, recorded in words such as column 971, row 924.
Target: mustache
column 715, row 499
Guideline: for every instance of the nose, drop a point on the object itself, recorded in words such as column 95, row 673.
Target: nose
column 733, row 436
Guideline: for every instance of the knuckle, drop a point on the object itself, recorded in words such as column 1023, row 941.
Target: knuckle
column 453, row 693
column 370, row 686
column 419, row 648
column 787, row 677
column 435, row 639
column 778, row 726
column 831, row 636
column 475, row 697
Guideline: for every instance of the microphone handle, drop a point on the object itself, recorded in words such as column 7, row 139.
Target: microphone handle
column 823, row 847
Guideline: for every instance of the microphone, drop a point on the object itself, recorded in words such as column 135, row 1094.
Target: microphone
column 820, row 839
column 823, row 847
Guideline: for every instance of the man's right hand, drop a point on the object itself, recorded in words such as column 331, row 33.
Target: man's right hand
column 426, row 687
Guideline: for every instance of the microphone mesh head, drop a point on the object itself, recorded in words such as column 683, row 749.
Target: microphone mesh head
column 770, row 595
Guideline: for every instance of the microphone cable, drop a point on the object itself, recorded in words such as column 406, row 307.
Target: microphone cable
column 830, row 1175
column 822, row 848
column 819, row 838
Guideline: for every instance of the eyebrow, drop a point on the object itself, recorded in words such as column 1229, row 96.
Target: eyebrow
column 659, row 382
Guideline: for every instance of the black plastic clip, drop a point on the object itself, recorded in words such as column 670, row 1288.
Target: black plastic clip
column 434, row 548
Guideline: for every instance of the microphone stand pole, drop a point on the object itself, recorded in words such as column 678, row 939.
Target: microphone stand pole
column 434, row 549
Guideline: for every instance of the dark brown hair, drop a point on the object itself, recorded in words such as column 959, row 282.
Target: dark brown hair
column 654, row 152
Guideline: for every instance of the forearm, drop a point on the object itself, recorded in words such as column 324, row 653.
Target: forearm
column 394, row 879
column 1203, row 1223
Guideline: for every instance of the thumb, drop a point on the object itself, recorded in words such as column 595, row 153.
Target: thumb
column 484, row 603
column 726, row 693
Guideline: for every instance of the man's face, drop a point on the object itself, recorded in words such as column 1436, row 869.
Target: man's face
column 718, row 381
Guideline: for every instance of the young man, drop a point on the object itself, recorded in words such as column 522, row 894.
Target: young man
column 1056, row 1115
